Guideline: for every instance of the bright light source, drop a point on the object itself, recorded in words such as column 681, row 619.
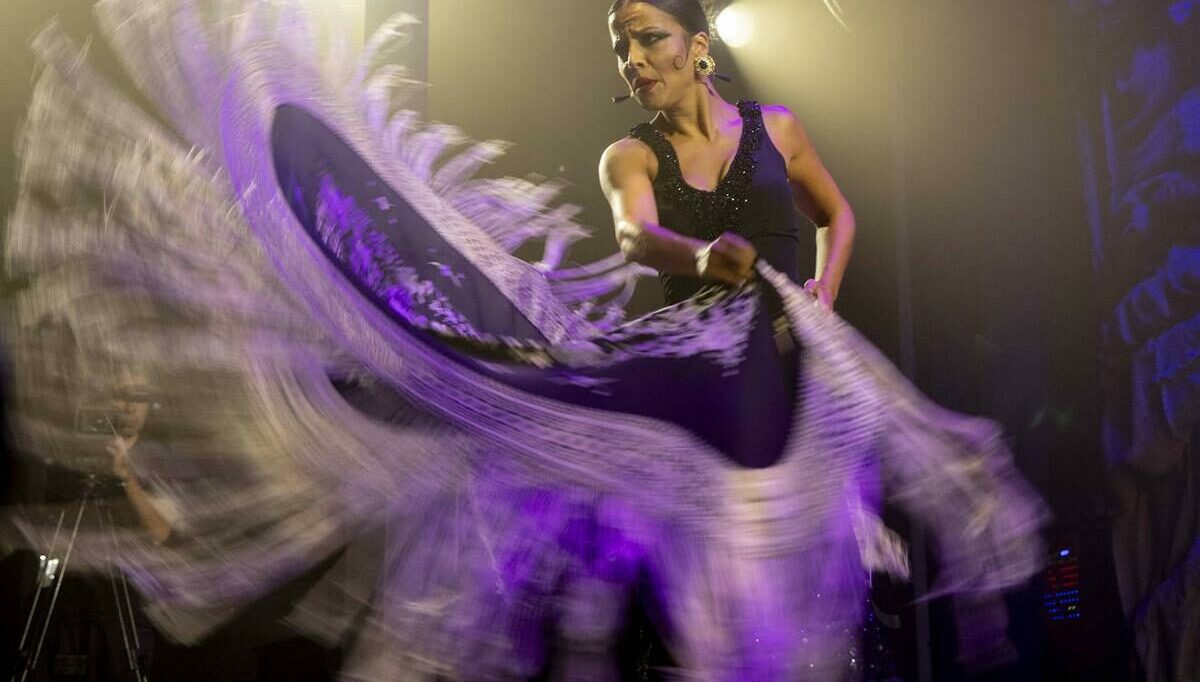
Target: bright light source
column 734, row 26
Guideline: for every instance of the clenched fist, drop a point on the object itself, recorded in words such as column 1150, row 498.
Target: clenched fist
column 728, row 260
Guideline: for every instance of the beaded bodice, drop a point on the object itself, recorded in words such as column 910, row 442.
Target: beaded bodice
column 753, row 199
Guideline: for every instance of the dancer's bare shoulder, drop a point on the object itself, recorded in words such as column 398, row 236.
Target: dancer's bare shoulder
column 786, row 131
column 626, row 161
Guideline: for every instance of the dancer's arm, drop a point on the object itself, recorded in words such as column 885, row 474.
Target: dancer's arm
column 625, row 179
column 818, row 197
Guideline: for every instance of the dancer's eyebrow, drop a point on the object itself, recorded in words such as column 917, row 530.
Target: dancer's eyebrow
column 621, row 45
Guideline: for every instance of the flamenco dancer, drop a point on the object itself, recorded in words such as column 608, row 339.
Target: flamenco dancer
column 328, row 301
column 707, row 187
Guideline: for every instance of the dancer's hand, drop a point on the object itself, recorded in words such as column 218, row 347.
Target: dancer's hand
column 728, row 260
column 821, row 292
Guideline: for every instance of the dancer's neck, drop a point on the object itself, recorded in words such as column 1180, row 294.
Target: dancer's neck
column 703, row 115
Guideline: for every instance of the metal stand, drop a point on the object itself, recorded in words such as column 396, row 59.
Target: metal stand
column 50, row 578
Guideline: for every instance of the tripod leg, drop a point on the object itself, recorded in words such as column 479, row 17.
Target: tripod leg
column 62, row 571
column 112, row 583
column 41, row 581
column 137, row 641
column 124, row 607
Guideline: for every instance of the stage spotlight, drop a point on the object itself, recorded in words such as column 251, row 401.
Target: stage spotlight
column 734, row 26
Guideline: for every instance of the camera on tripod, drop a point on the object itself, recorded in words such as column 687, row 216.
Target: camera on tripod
column 100, row 424
column 90, row 481
column 95, row 420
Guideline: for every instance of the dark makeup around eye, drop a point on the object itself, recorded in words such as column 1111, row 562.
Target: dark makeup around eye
column 646, row 36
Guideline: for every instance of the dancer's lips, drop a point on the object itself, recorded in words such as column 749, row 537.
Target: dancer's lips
column 643, row 83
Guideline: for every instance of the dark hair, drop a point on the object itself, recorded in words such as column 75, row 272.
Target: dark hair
column 689, row 13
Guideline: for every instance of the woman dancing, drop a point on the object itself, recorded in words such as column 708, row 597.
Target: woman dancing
column 707, row 187
column 294, row 229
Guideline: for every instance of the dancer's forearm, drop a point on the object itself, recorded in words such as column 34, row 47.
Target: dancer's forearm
column 835, row 243
column 658, row 247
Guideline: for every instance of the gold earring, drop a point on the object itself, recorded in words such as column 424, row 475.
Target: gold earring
column 705, row 66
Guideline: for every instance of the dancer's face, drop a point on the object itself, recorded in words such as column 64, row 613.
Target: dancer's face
column 655, row 54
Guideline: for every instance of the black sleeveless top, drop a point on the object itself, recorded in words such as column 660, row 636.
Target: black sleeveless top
column 753, row 200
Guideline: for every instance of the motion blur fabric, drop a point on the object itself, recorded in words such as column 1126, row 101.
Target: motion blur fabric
column 325, row 303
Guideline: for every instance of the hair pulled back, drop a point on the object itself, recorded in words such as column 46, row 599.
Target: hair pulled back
column 689, row 13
